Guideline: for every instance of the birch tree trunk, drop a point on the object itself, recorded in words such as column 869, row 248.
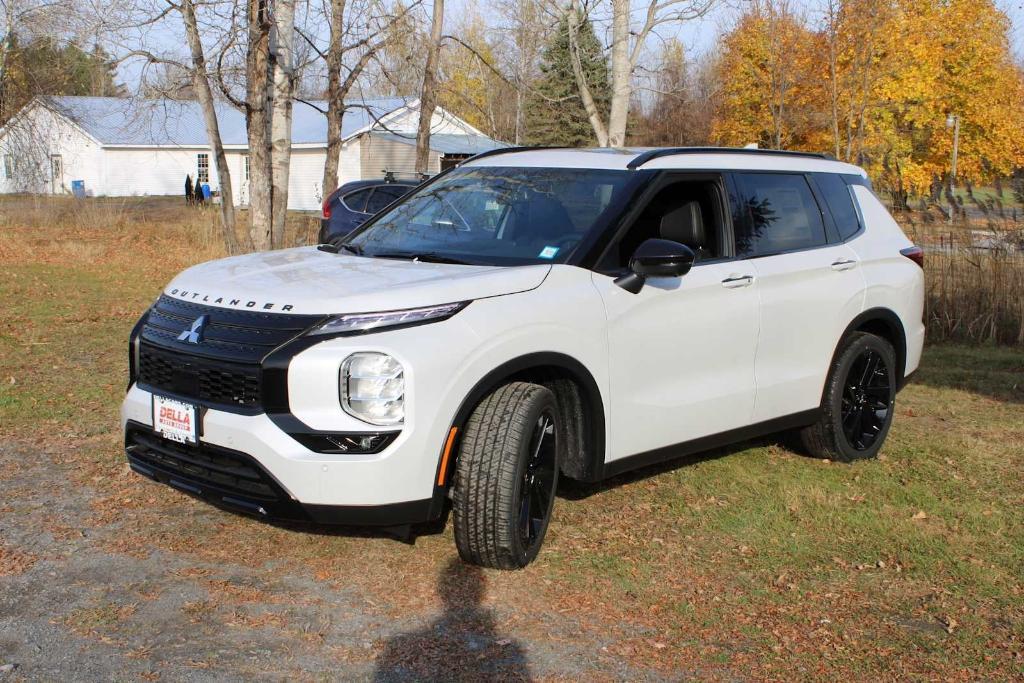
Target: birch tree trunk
column 257, row 120
column 586, row 95
column 335, row 98
column 281, row 116
column 201, row 83
column 428, row 94
column 622, row 74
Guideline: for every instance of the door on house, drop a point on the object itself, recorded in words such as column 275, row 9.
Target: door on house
column 56, row 174
column 243, row 191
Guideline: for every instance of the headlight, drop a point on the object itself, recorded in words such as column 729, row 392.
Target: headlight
column 373, row 388
column 357, row 323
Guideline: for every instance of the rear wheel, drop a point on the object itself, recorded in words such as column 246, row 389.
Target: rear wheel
column 857, row 409
column 506, row 476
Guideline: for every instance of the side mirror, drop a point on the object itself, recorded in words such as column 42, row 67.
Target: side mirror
column 656, row 258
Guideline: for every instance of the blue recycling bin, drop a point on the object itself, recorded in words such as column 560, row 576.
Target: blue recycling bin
column 206, row 191
column 78, row 189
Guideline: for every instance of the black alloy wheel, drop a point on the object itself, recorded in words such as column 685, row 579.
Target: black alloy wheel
column 867, row 400
column 857, row 406
column 538, row 483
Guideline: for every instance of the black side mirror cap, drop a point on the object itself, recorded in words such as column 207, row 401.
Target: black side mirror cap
column 656, row 258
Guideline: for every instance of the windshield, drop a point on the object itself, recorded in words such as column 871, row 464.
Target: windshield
column 495, row 216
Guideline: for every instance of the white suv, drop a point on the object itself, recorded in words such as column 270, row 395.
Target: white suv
column 527, row 315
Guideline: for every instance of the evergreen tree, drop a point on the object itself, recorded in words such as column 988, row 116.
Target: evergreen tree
column 44, row 67
column 555, row 113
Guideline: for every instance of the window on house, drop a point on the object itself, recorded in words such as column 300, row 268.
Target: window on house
column 8, row 166
column 202, row 168
column 245, row 165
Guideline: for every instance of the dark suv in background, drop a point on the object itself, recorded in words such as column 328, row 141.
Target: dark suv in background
column 350, row 205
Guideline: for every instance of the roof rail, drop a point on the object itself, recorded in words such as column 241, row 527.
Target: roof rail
column 504, row 150
column 652, row 154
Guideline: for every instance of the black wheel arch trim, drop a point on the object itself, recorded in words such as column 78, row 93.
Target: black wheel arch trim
column 593, row 405
column 897, row 334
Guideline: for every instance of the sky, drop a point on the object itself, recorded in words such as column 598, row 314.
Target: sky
column 698, row 36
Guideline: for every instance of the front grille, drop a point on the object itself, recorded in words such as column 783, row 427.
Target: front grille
column 223, row 368
column 199, row 378
column 219, row 474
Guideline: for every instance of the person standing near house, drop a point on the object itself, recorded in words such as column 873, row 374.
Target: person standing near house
column 188, row 189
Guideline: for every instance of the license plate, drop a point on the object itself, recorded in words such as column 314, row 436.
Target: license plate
column 174, row 420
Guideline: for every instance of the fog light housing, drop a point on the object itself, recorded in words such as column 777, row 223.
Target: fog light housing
column 372, row 388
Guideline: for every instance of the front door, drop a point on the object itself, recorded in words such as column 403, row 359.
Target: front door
column 681, row 351
column 56, row 174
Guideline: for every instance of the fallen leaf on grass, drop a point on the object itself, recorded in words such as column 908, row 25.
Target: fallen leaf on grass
column 920, row 514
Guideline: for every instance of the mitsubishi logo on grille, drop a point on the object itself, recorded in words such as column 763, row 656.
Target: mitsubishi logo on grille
column 194, row 334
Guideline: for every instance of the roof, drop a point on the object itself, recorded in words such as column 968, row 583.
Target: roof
column 175, row 123
column 703, row 158
column 447, row 143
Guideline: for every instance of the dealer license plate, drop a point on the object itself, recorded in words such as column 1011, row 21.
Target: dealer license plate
column 174, row 420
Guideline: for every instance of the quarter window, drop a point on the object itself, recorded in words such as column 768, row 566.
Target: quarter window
column 382, row 196
column 840, row 203
column 202, row 168
column 776, row 213
column 356, row 201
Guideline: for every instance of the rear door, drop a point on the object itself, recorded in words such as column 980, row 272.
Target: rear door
column 809, row 284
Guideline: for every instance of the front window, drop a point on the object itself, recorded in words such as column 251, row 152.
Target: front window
column 496, row 216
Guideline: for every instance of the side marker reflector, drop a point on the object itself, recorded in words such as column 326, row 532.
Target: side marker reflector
column 441, row 475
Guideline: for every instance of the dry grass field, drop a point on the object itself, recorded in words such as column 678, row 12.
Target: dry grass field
column 749, row 563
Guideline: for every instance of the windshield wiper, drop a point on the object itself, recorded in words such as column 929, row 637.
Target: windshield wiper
column 351, row 248
column 426, row 257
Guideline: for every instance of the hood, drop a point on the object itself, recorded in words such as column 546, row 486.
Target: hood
column 307, row 280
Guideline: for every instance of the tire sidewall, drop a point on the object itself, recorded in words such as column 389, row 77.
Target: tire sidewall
column 853, row 350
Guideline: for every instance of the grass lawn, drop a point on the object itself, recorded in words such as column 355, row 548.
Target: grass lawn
column 749, row 562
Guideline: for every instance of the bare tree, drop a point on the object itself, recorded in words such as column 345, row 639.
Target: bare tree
column 196, row 69
column 353, row 43
column 201, row 85
column 428, row 94
column 627, row 47
column 283, row 56
column 257, row 120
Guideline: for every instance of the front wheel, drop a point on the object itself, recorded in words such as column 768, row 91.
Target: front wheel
column 857, row 408
column 506, row 476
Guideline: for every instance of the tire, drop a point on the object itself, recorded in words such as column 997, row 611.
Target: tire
column 858, row 403
column 509, row 458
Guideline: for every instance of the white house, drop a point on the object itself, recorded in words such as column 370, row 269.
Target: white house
column 127, row 147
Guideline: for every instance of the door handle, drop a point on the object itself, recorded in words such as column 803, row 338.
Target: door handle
column 734, row 281
column 844, row 264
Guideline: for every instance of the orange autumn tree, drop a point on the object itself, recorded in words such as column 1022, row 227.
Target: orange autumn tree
column 763, row 70
column 874, row 83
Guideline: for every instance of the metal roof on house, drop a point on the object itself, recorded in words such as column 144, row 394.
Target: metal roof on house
column 173, row 123
column 447, row 143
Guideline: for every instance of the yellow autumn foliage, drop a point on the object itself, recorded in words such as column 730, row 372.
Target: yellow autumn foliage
column 874, row 85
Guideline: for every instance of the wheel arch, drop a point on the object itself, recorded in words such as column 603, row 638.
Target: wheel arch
column 579, row 398
column 884, row 323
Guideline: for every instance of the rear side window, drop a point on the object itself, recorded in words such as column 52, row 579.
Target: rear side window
column 840, row 203
column 381, row 197
column 776, row 213
column 356, row 201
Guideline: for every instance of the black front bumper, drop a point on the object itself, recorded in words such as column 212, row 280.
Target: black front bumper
column 236, row 481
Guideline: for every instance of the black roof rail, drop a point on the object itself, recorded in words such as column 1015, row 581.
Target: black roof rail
column 505, row 150
column 651, row 154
